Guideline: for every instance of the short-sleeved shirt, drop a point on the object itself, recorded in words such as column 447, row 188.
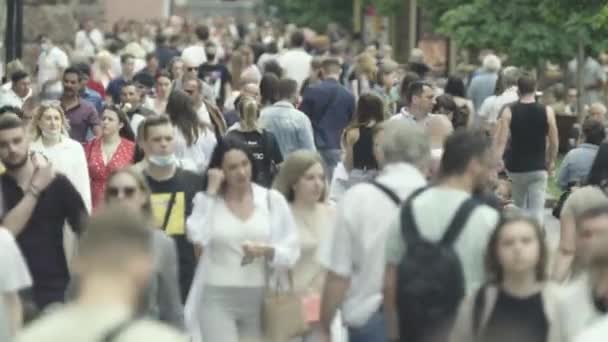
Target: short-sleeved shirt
column 14, row 276
column 265, row 150
column 433, row 211
column 217, row 76
column 82, row 118
column 50, row 64
column 185, row 185
column 41, row 240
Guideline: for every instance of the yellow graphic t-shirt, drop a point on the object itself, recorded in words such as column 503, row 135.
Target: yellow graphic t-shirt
column 177, row 221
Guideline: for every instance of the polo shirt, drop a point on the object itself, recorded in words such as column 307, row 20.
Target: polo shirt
column 82, row 117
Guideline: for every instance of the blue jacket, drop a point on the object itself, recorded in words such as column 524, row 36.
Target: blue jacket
column 330, row 108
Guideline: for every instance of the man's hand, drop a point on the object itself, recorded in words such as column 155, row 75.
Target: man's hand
column 43, row 173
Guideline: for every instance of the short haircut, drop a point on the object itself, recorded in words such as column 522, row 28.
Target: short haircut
column 408, row 79
column 150, row 56
column 455, row 87
column 10, row 121
column 526, row 84
column 591, row 214
column 124, row 58
column 84, row 68
column 331, row 65
column 153, row 121
column 18, row 76
column 11, row 109
column 202, row 32
column 404, row 142
column 73, row 70
column 129, row 84
column 144, row 79
column 287, row 89
column 491, row 63
column 113, row 236
column 462, row 147
column 510, row 75
column 594, row 132
column 416, row 89
column 297, row 39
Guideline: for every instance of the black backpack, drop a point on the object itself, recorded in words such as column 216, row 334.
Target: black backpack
column 430, row 279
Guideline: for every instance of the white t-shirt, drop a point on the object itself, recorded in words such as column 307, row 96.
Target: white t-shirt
column 88, row 43
column 226, row 252
column 50, row 64
column 356, row 247
column 597, row 332
column 14, row 274
column 76, row 323
column 433, row 211
column 296, row 64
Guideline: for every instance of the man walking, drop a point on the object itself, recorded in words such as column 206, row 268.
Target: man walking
column 529, row 160
column 81, row 114
column 38, row 202
column 330, row 108
column 291, row 127
column 354, row 255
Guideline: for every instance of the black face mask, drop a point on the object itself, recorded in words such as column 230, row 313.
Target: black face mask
column 210, row 57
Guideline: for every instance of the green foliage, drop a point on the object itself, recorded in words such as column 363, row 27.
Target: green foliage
column 315, row 14
column 528, row 31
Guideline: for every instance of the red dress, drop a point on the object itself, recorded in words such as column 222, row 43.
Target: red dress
column 99, row 171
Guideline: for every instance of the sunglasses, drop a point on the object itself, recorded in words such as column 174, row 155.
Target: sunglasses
column 127, row 191
column 192, row 68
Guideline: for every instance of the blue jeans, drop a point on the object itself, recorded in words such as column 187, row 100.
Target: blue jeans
column 373, row 331
column 331, row 159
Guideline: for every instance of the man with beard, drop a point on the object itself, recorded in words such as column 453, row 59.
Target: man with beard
column 37, row 203
column 81, row 114
column 131, row 103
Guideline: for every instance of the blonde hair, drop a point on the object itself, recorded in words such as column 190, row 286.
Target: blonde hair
column 366, row 65
column 104, row 60
column 14, row 66
column 292, row 169
column 248, row 113
column 44, row 106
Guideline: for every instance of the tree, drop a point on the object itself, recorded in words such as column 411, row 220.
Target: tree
column 315, row 14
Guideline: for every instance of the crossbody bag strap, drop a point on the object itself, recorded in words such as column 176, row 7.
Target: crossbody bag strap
column 388, row 192
column 169, row 210
column 458, row 222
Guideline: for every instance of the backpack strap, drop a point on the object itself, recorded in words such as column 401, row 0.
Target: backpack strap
column 112, row 334
column 388, row 192
column 409, row 229
column 458, row 222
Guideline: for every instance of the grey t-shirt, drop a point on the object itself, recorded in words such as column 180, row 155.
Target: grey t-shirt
column 433, row 211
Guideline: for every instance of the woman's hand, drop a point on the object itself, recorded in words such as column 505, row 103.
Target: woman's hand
column 215, row 181
column 253, row 250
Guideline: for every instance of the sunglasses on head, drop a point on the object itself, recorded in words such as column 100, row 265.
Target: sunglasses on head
column 127, row 191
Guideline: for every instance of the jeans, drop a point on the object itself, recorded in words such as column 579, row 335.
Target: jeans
column 373, row 331
column 331, row 159
column 529, row 192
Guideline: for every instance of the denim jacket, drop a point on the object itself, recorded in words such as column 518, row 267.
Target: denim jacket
column 291, row 127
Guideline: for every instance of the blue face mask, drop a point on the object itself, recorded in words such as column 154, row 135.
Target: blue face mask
column 162, row 161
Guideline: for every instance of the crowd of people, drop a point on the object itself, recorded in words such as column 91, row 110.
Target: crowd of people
column 228, row 182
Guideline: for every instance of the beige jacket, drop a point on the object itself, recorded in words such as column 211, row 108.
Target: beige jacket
column 463, row 326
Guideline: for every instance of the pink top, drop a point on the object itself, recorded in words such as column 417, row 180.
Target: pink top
column 100, row 171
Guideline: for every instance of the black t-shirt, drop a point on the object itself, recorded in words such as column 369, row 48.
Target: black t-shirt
column 185, row 185
column 266, row 153
column 216, row 75
column 41, row 240
column 517, row 319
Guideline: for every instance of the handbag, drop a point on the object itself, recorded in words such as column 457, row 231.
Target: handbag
column 283, row 312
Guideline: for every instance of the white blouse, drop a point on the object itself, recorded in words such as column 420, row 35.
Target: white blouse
column 195, row 157
column 202, row 229
column 68, row 158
